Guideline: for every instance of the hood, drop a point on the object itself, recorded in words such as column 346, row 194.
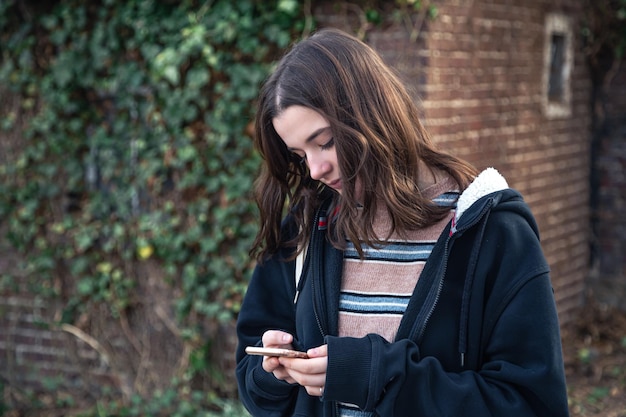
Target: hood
column 487, row 182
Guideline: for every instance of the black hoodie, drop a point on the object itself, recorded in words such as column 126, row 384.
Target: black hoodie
column 480, row 336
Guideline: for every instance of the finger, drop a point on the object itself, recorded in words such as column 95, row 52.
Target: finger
column 318, row 352
column 306, row 372
column 270, row 363
column 307, row 380
column 282, row 374
column 315, row 391
column 276, row 338
column 310, row 366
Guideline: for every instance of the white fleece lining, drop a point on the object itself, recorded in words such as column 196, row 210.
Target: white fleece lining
column 485, row 183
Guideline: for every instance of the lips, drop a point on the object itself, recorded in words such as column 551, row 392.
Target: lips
column 336, row 184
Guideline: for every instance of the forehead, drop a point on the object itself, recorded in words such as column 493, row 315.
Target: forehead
column 297, row 125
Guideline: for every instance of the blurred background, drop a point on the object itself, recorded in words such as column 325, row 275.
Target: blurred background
column 127, row 168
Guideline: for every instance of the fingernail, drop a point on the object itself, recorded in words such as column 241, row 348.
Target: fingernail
column 286, row 338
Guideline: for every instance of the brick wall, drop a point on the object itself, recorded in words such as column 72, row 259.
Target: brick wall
column 137, row 353
column 485, row 99
column 36, row 355
column 478, row 70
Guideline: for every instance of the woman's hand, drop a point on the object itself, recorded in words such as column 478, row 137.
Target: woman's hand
column 310, row 373
column 277, row 339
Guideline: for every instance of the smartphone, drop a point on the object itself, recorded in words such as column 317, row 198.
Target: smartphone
column 253, row 350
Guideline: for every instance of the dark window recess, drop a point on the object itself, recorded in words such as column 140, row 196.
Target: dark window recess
column 556, row 82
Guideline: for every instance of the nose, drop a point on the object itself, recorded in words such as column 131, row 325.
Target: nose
column 318, row 166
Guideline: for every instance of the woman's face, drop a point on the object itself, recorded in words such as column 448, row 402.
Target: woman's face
column 307, row 134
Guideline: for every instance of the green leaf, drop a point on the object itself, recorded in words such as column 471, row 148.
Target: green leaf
column 134, row 166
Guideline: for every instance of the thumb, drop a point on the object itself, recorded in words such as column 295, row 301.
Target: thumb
column 318, row 352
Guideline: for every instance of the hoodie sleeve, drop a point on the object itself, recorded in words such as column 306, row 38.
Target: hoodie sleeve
column 521, row 371
column 268, row 304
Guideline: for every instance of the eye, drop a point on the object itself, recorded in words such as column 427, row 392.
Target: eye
column 328, row 145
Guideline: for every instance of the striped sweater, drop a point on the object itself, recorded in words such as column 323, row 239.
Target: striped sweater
column 376, row 291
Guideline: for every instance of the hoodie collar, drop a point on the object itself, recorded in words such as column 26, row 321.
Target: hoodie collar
column 487, row 182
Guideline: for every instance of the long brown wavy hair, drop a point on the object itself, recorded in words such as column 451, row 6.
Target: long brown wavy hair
column 378, row 139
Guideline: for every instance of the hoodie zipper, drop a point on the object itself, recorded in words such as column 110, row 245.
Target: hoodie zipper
column 314, row 248
column 315, row 312
column 438, row 294
column 307, row 259
column 443, row 272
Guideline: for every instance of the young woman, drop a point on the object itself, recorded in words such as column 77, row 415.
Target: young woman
column 416, row 286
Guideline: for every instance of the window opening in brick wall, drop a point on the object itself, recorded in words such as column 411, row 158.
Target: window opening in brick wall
column 558, row 58
column 557, row 61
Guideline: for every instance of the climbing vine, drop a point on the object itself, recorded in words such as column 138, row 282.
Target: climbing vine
column 140, row 116
column 129, row 151
column 128, row 165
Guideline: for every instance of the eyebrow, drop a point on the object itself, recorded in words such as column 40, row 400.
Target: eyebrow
column 313, row 135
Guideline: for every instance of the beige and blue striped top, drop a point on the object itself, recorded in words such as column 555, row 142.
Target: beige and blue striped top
column 375, row 291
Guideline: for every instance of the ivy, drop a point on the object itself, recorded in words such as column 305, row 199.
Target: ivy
column 141, row 109
column 130, row 151
column 136, row 148
column 604, row 31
